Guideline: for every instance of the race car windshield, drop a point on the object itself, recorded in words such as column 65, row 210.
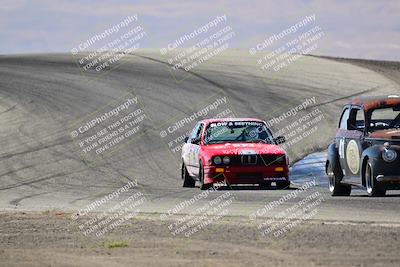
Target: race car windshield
column 237, row 131
column 385, row 118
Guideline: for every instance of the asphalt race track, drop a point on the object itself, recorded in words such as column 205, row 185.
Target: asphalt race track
column 42, row 96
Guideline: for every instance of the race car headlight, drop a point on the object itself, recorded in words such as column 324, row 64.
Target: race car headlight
column 389, row 155
column 217, row 160
column 226, row 160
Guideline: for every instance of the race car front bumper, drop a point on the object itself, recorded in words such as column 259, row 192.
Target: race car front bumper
column 246, row 174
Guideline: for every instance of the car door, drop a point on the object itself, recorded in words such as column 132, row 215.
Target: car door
column 350, row 143
column 186, row 151
column 190, row 148
column 195, row 149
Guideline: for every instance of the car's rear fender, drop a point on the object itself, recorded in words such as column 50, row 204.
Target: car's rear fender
column 333, row 159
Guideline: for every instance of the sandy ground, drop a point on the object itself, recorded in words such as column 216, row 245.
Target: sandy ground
column 50, row 239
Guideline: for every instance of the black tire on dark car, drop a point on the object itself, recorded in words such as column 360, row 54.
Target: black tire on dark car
column 335, row 186
column 374, row 188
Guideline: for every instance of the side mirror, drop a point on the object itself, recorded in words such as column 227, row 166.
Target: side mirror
column 280, row 140
column 186, row 139
column 351, row 126
column 196, row 141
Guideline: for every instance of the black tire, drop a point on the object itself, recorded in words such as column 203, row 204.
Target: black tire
column 335, row 186
column 201, row 178
column 374, row 188
column 187, row 179
column 265, row 185
column 283, row 185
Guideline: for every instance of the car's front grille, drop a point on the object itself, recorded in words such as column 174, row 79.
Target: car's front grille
column 256, row 160
column 248, row 159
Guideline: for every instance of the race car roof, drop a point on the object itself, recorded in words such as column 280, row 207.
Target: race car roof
column 374, row 102
column 207, row 121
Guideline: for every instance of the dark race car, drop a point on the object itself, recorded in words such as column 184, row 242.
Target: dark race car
column 236, row 151
column 367, row 147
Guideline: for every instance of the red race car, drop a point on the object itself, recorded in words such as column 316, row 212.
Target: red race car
column 234, row 151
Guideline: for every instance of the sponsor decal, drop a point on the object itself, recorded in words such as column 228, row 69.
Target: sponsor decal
column 236, row 123
column 275, row 179
column 353, row 157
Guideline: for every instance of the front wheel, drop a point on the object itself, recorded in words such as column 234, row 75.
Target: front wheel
column 265, row 185
column 374, row 188
column 335, row 186
column 283, row 185
column 187, row 179
column 203, row 186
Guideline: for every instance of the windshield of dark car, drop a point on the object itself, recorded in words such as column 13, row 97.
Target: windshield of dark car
column 385, row 118
column 237, row 131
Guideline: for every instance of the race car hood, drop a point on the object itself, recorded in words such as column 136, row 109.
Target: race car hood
column 391, row 134
column 243, row 148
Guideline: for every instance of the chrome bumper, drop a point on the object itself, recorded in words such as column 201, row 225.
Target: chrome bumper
column 383, row 178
